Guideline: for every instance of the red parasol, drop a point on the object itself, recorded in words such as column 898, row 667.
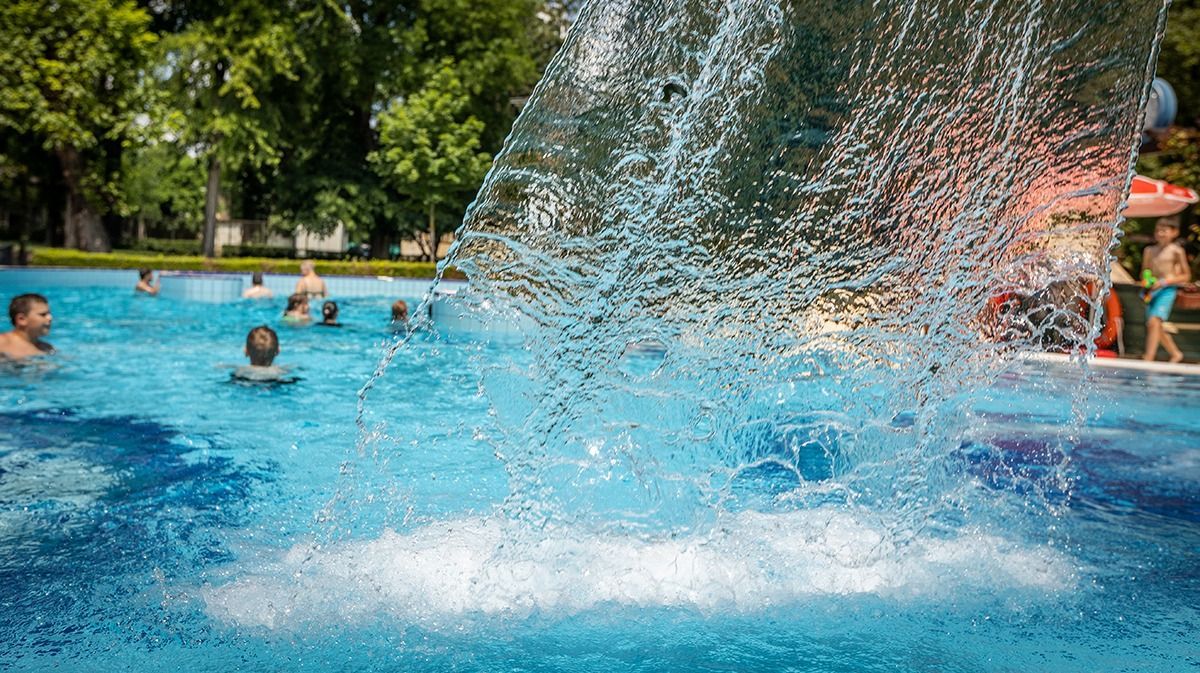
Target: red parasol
column 1154, row 198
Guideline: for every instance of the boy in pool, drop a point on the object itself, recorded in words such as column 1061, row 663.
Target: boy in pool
column 400, row 314
column 30, row 317
column 262, row 345
column 256, row 289
column 146, row 282
column 1168, row 262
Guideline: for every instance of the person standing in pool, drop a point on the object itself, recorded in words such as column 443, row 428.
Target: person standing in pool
column 1167, row 261
column 329, row 315
column 262, row 346
column 310, row 284
column 146, row 283
column 30, row 317
column 297, row 310
column 256, row 289
column 400, row 316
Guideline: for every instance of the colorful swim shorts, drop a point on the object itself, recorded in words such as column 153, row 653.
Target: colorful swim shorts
column 1160, row 304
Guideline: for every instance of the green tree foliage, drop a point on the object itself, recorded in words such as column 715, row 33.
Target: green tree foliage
column 1179, row 58
column 164, row 191
column 277, row 107
column 221, row 69
column 360, row 57
column 69, row 75
column 430, row 147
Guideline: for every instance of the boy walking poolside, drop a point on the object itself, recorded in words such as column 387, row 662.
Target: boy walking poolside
column 1167, row 261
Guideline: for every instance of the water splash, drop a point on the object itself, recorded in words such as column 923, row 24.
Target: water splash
column 734, row 280
column 750, row 237
column 447, row 574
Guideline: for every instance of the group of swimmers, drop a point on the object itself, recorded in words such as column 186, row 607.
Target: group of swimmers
column 31, row 320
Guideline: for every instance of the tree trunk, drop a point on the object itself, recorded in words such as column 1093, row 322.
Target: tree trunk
column 82, row 227
column 211, row 194
column 433, row 235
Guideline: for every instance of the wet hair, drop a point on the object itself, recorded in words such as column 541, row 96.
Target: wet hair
column 330, row 311
column 262, row 345
column 22, row 304
column 256, row 278
column 307, row 265
column 294, row 302
column 400, row 310
column 143, row 273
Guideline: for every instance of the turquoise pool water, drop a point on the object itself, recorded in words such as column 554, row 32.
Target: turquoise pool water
column 156, row 516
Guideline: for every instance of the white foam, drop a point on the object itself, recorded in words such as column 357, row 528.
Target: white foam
column 445, row 572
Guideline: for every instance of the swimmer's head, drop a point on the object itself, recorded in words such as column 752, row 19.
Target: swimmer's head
column 262, row 345
column 30, row 313
column 307, row 267
column 297, row 302
column 256, row 278
column 329, row 311
column 146, row 274
column 399, row 311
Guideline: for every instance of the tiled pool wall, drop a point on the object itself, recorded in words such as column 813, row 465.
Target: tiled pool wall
column 209, row 287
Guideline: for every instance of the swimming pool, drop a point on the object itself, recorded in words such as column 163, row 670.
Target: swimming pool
column 155, row 515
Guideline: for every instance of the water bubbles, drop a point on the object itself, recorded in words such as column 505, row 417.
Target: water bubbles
column 673, row 92
column 642, row 358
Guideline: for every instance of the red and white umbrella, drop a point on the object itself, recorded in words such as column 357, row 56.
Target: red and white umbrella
column 1154, row 198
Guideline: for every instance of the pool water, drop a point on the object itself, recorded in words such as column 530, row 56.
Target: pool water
column 155, row 515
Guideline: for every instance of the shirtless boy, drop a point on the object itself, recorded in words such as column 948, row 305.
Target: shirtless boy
column 262, row 345
column 30, row 316
column 257, row 290
column 1168, row 262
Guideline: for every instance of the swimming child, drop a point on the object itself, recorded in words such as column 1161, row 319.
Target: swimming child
column 297, row 310
column 146, row 284
column 262, row 345
column 329, row 315
column 256, row 289
column 30, row 317
column 400, row 312
column 1167, row 263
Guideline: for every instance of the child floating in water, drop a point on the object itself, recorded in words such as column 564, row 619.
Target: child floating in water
column 297, row 310
column 146, row 284
column 262, row 345
column 329, row 315
column 1167, row 263
column 30, row 316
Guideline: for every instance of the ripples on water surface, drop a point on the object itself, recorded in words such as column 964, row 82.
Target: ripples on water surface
column 753, row 414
